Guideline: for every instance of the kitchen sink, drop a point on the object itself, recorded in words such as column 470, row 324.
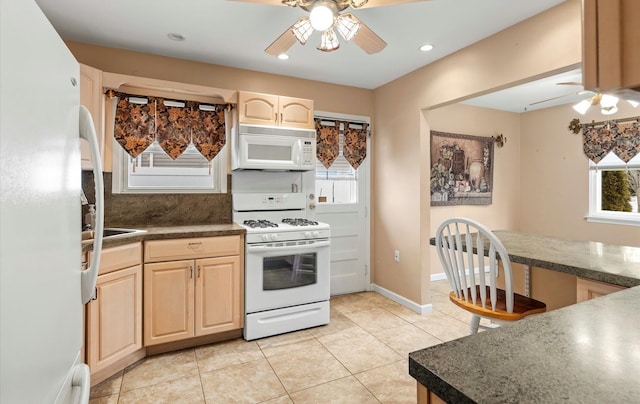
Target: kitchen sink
column 111, row 232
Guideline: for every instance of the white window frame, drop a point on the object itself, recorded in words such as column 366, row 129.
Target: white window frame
column 122, row 169
column 596, row 214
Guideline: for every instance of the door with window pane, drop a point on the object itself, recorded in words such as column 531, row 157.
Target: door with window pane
column 341, row 200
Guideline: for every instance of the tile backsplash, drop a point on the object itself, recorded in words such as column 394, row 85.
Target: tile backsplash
column 131, row 210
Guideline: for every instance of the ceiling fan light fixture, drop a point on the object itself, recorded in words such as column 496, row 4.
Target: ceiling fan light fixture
column 302, row 30
column 347, row 26
column 323, row 15
column 357, row 3
column 329, row 41
column 608, row 101
column 582, row 107
column 608, row 110
column 633, row 103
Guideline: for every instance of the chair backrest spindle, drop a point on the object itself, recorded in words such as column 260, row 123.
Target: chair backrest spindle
column 455, row 249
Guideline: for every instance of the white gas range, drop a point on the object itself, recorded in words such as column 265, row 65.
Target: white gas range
column 287, row 263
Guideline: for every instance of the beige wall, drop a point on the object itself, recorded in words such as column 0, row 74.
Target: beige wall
column 540, row 46
column 554, row 179
column 327, row 97
column 504, row 212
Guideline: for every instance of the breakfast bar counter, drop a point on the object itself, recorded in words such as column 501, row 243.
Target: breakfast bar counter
column 584, row 353
column 615, row 264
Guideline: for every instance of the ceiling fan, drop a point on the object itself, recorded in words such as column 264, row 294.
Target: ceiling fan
column 607, row 103
column 327, row 16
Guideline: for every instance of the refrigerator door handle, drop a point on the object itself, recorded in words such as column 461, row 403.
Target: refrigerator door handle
column 82, row 379
column 89, row 277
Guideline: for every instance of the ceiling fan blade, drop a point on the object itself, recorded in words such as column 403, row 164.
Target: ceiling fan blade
column 553, row 98
column 268, row 2
column 382, row 3
column 282, row 43
column 368, row 40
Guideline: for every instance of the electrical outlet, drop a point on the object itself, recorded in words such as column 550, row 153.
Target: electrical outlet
column 396, row 256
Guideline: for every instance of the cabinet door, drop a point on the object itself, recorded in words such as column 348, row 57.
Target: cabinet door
column 255, row 108
column 218, row 295
column 610, row 57
column 296, row 113
column 114, row 319
column 168, row 301
column 588, row 289
column 92, row 98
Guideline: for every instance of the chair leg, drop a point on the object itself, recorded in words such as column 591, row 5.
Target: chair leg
column 474, row 324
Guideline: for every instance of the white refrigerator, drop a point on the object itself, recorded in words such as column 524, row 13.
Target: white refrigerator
column 42, row 285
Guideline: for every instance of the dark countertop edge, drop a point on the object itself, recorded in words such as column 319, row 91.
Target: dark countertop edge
column 169, row 232
column 606, row 277
column 435, row 384
column 449, row 393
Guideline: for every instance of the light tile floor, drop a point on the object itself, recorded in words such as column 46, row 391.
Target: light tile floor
column 360, row 357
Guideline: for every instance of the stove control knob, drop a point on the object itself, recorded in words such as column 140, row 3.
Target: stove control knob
column 274, row 237
column 316, row 234
column 265, row 237
column 307, row 234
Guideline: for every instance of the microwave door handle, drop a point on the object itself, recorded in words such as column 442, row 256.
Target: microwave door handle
column 298, row 152
column 287, row 248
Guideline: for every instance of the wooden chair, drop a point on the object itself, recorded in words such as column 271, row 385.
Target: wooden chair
column 457, row 240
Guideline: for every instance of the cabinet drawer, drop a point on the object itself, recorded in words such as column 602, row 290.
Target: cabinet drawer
column 119, row 257
column 190, row 248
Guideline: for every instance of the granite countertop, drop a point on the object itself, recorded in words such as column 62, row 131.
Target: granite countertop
column 584, row 353
column 587, row 352
column 618, row 265
column 169, row 232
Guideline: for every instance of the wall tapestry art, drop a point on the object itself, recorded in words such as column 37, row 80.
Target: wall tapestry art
column 461, row 169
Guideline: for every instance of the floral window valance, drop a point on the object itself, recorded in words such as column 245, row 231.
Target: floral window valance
column 327, row 141
column 354, row 148
column 355, row 144
column 174, row 124
column 623, row 139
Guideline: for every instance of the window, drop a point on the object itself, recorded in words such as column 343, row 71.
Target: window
column 339, row 183
column 613, row 191
column 153, row 171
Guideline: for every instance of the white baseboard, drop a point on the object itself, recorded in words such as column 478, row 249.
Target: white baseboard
column 409, row 304
column 441, row 276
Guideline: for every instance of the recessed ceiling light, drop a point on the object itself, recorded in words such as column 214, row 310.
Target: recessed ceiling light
column 426, row 48
column 283, row 56
column 176, row 37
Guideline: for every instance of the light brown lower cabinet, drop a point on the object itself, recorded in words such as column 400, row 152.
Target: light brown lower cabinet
column 192, row 298
column 427, row 397
column 588, row 289
column 114, row 318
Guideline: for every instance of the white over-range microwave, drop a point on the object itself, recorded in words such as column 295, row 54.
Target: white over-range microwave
column 272, row 148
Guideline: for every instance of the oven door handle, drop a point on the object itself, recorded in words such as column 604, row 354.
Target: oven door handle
column 286, row 248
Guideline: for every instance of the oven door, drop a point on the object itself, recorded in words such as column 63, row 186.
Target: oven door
column 286, row 274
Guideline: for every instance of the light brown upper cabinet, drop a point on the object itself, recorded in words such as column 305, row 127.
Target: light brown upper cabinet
column 273, row 110
column 92, row 98
column 611, row 60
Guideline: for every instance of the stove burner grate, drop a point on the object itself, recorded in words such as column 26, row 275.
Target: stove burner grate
column 259, row 224
column 299, row 222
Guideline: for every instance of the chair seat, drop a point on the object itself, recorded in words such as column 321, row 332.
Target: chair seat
column 522, row 305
